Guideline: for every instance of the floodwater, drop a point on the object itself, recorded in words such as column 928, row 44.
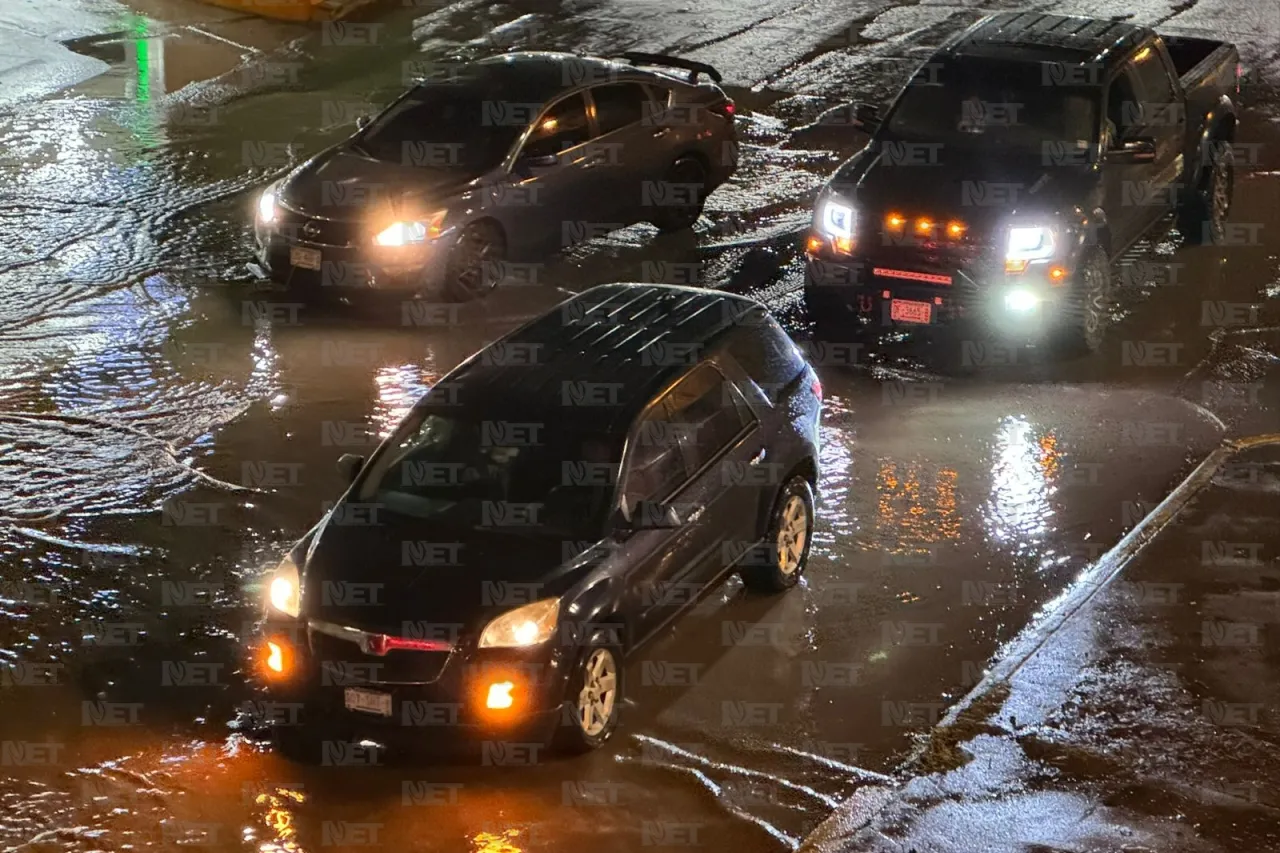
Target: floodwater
column 168, row 427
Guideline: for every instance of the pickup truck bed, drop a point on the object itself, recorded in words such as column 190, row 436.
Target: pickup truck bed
column 1200, row 61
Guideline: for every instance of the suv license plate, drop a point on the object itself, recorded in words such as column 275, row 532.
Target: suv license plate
column 907, row 311
column 307, row 259
column 368, row 701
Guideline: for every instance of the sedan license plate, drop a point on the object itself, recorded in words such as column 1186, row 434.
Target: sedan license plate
column 907, row 311
column 368, row 701
column 307, row 259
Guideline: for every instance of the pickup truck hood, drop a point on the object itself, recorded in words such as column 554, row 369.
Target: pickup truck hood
column 978, row 188
column 379, row 576
column 343, row 184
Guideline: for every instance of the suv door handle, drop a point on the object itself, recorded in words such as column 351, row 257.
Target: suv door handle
column 694, row 515
column 660, row 132
column 759, row 457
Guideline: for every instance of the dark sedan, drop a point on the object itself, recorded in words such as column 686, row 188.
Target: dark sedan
column 512, row 156
column 535, row 520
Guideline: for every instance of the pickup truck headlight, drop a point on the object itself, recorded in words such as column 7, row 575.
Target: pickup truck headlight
column 525, row 626
column 284, row 590
column 837, row 221
column 267, row 206
column 1026, row 244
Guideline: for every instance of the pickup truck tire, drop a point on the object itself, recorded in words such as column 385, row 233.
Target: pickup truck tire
column 1203, row 217
column 687, row 171
column 1088, row 304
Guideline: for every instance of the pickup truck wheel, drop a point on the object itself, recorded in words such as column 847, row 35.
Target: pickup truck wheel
column 1204, row 217
column 470, row 272
column 1089, row 303
column 786, row 543
column 685, row 171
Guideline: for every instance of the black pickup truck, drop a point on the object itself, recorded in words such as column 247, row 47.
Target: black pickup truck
column 1023, row 158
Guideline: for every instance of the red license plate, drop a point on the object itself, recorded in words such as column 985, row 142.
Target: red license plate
column 907, row 311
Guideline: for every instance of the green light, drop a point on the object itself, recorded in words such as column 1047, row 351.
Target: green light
column 143, row 91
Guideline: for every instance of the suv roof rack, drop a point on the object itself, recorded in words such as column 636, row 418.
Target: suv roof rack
column 661, row 59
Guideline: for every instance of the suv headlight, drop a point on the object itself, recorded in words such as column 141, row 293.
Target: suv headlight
column 522, row 627
column 284, row 590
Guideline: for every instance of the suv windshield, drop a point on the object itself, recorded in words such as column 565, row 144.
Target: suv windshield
column 441, row 125
column 520, row 478
column 996, row 104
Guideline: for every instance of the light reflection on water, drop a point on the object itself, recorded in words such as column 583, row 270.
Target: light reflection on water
column 915, row 506
column 1024, row 470
column 399, row 388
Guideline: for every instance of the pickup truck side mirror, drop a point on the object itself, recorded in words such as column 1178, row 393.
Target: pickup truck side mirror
column 362, row 122
column 349, row 466
column 866, row 117
column 1130, row 151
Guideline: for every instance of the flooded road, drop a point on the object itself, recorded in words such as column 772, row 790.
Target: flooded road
column 168, row 427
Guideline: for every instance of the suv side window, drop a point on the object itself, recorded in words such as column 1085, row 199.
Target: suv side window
column 656, row 467
column 619, row 104
column 561, row 127
column 1123, row 109
column 710, row 411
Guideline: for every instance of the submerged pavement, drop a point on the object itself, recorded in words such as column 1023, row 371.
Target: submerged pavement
column 1147, row 720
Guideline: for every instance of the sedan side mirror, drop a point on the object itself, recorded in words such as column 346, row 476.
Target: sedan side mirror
column 349, row 466
column 1130, row 151
column 362, row 122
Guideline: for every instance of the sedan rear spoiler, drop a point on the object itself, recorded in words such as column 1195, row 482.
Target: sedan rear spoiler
column 660, row 59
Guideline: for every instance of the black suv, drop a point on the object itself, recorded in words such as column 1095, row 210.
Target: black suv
column 549, row 506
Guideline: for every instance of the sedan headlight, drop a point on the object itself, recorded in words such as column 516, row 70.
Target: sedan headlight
column 522, row 627
column 411, row 232
column 284, row 588
column 267, row 206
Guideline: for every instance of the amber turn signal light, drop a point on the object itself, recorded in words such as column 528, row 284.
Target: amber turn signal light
column 955, row 229
column 499, row 697
column 1057, row 275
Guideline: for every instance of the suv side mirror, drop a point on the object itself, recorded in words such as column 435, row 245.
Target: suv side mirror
column 1139, row 150
column 540, row 161
column 362, row 122
column 349, row 466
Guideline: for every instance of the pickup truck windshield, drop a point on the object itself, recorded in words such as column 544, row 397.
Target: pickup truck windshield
column 971, row 104
column 519, row 478
column 441, row 125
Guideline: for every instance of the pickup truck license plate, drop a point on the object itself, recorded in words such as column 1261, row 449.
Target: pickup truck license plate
column 368, row 701
column 907, row 311
column 307, row 259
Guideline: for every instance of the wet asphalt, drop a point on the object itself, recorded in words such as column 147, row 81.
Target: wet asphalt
column 168, row 427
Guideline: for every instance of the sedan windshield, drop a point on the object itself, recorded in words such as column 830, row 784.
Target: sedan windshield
column 1007, row 105
column 441, row 125
column 525, row 479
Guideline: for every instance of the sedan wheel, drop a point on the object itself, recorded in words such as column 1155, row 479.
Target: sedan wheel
column 683, row 174
column 593, row 701
column 474, row 262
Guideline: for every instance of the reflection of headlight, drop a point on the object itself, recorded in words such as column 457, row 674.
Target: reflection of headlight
column 1030, row 244
column 837, row 218
column 283, row 591
column 267, row 207
column 524, row 626
column 412, row 232
column 1020, row 301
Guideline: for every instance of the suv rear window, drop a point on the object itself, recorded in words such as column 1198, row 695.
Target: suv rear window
column 767, row 355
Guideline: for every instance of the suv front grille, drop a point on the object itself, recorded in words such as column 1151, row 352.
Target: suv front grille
column 343, row 664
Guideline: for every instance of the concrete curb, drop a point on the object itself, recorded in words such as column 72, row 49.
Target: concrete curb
column 862, row 808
